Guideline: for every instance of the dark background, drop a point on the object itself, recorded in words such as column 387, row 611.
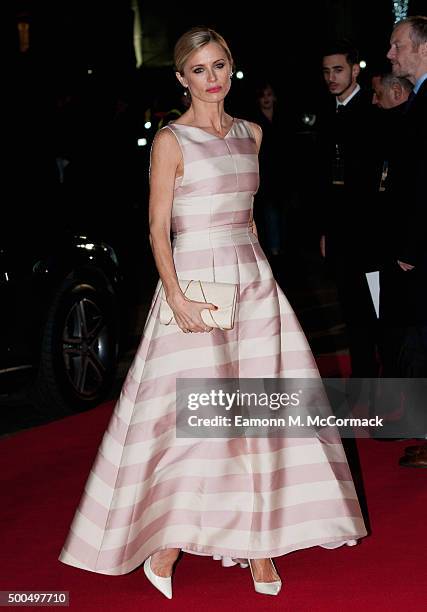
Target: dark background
column 68, row 37
column 76, row 90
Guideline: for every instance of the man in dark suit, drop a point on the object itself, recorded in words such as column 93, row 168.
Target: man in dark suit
column 390, row 93
column 407, row 177
column 349, row 167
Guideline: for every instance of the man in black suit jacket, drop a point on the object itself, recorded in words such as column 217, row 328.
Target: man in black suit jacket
column 407, row 175
column 390, row 93
column 349, row 170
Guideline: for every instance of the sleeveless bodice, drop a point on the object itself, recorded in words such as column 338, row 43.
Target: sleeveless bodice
column 219, row 181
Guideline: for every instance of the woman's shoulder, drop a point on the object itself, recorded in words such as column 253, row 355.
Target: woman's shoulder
column 165, row 144
column 254, row 129
column 164, row 137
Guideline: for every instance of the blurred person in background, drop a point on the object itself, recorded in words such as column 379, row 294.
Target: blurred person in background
column 349, row 165
column 277, row 172
column 407, row 188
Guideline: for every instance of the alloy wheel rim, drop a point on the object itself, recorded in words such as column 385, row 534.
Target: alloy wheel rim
column 86, row 348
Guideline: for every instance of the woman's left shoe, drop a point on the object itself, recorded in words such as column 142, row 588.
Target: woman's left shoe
column 164, row 585
column 266, row 588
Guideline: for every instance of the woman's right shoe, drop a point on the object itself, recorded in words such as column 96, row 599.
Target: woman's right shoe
column 266, row 588
column 164, row 585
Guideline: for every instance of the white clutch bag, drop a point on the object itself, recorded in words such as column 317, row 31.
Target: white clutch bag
column 223, row 295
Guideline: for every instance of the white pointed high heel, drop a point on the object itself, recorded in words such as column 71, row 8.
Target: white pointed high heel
column 164, row 585
column 266, row 588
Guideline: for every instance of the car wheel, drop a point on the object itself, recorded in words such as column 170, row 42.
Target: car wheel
column 79, row 348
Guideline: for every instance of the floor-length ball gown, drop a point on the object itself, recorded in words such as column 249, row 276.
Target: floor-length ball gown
column 233, row 498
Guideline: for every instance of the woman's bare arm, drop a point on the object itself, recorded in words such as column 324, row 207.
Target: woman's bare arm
column 166, row 160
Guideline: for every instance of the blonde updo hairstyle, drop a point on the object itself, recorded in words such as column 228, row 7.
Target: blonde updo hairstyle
column 195, row 39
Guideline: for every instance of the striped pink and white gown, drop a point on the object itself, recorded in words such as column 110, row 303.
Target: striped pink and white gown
column 229, row 498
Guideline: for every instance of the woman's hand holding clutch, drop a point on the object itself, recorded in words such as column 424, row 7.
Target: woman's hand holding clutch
column 187, row 313
column 214, row 302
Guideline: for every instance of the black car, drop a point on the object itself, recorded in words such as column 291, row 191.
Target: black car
column 60, row 318
column 73, row 206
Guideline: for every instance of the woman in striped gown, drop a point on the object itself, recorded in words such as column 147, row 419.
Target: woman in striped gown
column 151, row 494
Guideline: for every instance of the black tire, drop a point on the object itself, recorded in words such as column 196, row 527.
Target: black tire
column 79, row 348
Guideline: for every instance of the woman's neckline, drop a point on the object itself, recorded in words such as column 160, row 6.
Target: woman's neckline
column 195, row 127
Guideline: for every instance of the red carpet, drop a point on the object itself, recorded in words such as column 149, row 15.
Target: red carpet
column 334, row 365
column 44, row 471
